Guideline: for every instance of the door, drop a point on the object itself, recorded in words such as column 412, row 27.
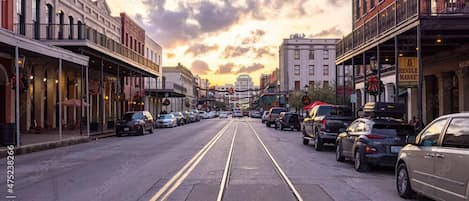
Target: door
column 452, row 161
column 347, row 141
column 421, row 161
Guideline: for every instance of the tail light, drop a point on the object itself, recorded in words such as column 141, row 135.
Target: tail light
column 323, row 124
column 370, row 150
column 375, row 137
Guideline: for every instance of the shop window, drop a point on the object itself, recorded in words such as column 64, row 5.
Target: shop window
column 311, row 69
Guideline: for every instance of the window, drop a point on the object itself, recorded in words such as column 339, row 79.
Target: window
column 311, row 54
column 326, row 54
column 33, row 9
column 311, row 69
column 430, row 136
column 311, row 84
column 297, row 85
column 457, row 134
column 325, row 84
column 297, row 69
column 365, row 9
column 131, row 42
column 325, row 70
column 127, row 39
column 297, row 54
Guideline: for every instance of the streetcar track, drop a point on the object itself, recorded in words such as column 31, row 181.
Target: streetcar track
column 227, row 172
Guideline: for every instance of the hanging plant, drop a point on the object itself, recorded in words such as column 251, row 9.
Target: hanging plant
column 166, row 102
column 23, row 82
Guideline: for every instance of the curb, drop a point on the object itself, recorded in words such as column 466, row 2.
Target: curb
column 54, row 144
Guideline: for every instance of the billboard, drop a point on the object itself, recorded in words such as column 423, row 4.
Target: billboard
column 408, row 72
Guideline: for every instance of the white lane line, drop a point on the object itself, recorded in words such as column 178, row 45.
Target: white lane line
column 277, row 166
column 177, row 179
column 225, row 177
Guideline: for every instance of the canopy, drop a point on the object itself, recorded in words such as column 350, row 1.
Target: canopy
column 310, row 106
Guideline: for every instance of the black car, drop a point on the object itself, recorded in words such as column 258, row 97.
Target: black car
column 135, row 123
column 373, row 140
column 288, row 120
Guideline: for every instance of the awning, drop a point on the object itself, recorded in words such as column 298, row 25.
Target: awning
column 162, row 93
column 310, row 106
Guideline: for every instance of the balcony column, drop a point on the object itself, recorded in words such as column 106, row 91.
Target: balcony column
column 336, row 84
column 60, row 98
column 420, row 75
column 463, row 81
column 396, row 69
column 88, row 102
column 118, row 93
column 353, row 84
column 101, row 105
column 343, row 79
column 17, row 94
column 365, row 97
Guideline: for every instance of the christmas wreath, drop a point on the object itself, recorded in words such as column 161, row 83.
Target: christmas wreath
column 372, row 84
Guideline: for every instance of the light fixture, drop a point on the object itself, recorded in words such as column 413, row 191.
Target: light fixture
column 106, row 97
column 439, row 40
column 386, row 60
column 44, row 80
column 31, row 77
column 56, row 81
column 401, row 55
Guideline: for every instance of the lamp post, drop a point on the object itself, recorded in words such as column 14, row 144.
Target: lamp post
column 306, row 87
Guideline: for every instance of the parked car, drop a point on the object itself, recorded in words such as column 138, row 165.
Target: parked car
column 212, row 114
column 135, row 123
column 324, row 123
column 203, row 114
column 223, row 115
column 376, row 139
column 187, row 117
column 256, row 114
column 193, row 117
column 166, row 121
column 196, row 115
column 436, row 162
column 265, row 115
column 179, row 117
column 274, row 112
column 288, row 120
column 245, row 113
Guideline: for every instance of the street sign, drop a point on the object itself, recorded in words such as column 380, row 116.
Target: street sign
column 408, row 72
column 353, row 98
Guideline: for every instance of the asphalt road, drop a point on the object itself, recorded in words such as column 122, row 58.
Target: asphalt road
column 189, row 162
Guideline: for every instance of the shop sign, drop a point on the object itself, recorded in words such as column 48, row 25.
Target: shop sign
column 408, row 72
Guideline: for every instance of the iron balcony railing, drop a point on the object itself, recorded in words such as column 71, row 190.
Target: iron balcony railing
column 81, row 32
column 395, row 14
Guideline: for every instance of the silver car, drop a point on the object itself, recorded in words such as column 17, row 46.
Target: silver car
column 436, row 163
column 166, row 121
column 265, row 115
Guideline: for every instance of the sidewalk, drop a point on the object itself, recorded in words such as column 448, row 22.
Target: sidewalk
column 51, row 139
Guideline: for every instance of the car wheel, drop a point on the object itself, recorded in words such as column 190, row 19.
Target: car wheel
column 151, row 130
column 403, row 183
column 142, row 131
column 359, row 164
column 267, row 124
column 318, row 144
column 281, row 127
column 305, row 141
column 338, row 153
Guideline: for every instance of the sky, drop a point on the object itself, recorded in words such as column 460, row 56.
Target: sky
column 220, row 39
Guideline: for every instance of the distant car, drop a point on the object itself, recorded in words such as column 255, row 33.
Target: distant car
column 223, row 115
column 289, row 120
column 245, row 113
column 264, row 117
column 179, row 117
column 203, row 115
column 256, row 114
column 273, row 115
column 187, row 117
column 196, row 115
column 212, row 114
column 435, row 163
column 135, row 123
column 166, row 121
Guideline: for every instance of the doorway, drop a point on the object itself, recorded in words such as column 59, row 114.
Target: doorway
column 3, row 83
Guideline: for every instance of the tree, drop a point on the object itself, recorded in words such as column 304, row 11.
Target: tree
column 324, row 94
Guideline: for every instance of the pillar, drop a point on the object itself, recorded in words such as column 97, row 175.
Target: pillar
column 444, row 93
column 463, row 81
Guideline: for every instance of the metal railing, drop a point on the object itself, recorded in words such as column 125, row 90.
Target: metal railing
column 394, row 15
column 81, row 32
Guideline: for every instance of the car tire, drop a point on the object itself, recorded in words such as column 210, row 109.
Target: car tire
column 403, row 183
column 358, row 163
column 339, row 156
column 151, row 130
column 142, row 132
column 318, row 144
column 305, row 141
column 281, row 127
column 118, row 134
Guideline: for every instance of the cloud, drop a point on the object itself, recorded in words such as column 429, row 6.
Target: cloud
column 338, row 2
column 251, row 68
column 170, row 55
column 254, row 38
column 260, row 52
column 234, row 51
column 200, row 67
column 200, row 49
column 225, row 68
column 331, row 32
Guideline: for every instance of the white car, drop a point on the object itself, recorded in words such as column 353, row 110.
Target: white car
column 212, row 114
column 203, row 115
column 265, row 116
column 223, row 115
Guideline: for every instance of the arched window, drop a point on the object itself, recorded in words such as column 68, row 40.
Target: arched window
column 50, row 18
column 61, row 24
column 71, row 25
column 80, row 30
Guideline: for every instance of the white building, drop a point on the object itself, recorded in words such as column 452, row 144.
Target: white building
column 305, row 61
column 181, row 80
column 153, row 53
column 243, row 91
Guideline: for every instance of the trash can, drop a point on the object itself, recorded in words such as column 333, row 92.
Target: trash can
column 8, row 134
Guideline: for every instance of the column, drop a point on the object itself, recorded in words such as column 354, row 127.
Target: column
column 444, row 93
column 463, row 81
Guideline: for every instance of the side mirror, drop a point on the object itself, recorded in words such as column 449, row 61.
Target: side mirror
column 411, row 139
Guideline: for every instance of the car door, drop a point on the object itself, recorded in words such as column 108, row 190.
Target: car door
column 421, row 162
column 452, row 161
column 347, row 142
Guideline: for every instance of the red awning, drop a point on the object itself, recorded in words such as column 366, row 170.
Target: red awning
column 310, row 106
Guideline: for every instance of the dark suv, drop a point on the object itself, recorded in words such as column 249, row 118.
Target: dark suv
column 374, row 140
column 288, row 120
column 135, row 123
column 273, row 115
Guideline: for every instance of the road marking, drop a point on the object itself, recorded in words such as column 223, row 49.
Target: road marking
column 177, row 179
column 277, row 167
column 227, row 171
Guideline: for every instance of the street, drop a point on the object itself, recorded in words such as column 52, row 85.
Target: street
column 189, row 162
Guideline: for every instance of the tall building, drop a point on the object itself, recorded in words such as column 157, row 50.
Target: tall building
column 306, row 61
column 243, row 91
column 416, row 49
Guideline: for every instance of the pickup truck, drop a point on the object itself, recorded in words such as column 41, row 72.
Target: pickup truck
column 274, row 112
column 324, row 122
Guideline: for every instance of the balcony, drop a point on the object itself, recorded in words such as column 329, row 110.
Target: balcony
column 77, row 33
column 395, row 16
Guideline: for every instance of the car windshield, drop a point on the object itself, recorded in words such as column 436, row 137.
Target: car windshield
column 176, row 114
column 334, row 111
column 165, row 116
column 292, row 118
column 278, row 110
column 393, row 130
column 129, row 116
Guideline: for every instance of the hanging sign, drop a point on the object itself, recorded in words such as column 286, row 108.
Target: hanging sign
column 408, row 72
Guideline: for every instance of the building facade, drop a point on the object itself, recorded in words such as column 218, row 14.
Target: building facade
column 416, row 49
column 305, row 61
column 133, row 36
column 244, row 88
column 180, row 79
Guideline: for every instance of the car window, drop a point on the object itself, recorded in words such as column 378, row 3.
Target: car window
column 128, row 116
column 277, row 111
column 457, row 134
column 393, row 130
column 138, row 115
column 353, row 127
column 361, row 127
column 429, row 137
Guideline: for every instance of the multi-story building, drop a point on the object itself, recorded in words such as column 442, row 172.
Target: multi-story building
column 153, row 54
column 133, row 36
column 181, row 80
column 417, row 49
column 243, row 91
column 85, row 27
column 306, row 61
column 222, row 94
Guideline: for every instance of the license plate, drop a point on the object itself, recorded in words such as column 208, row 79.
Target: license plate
column 126, row 129
column 395, row 149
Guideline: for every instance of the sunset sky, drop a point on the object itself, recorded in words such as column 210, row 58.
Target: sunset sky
column 220, row 39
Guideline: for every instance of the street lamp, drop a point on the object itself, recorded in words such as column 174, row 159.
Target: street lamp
column 306, row 87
